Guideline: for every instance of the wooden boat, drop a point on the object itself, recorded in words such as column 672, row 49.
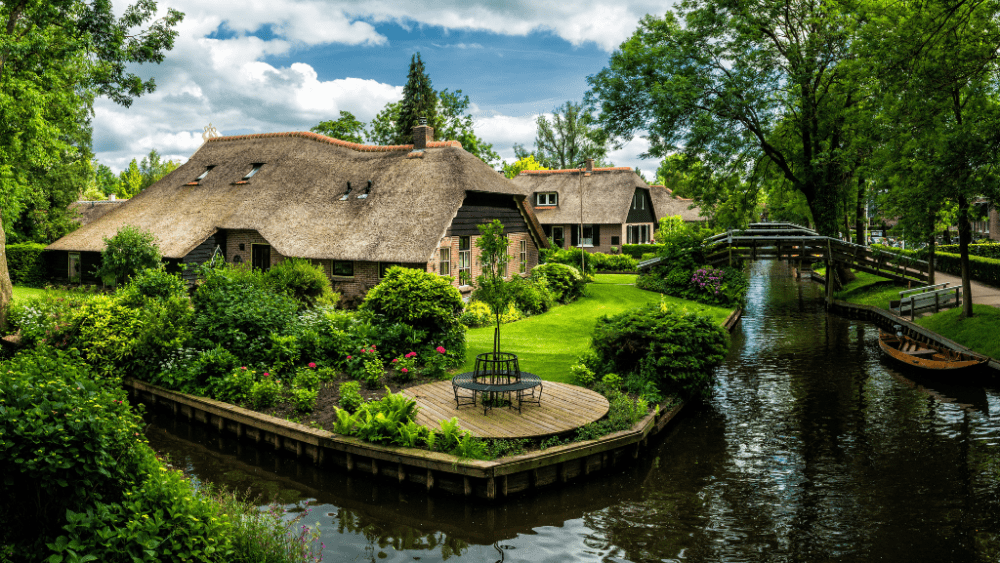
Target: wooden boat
column 925, row 356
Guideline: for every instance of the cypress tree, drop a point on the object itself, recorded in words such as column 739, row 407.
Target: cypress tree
column 419, row 100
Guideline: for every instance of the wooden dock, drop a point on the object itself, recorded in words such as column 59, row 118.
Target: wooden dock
column 563, row 408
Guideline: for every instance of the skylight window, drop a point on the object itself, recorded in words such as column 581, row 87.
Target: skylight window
column 256, row 167
column 201, row 176
column 347, row 193
column 368, row 190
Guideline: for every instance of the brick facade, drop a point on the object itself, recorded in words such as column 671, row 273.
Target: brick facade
column 513, row 266
column 247, row 238
column 606, row 232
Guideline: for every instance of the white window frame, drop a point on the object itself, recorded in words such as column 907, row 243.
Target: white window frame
column 546, row 199
column 585, row 242
column 465, row 259
column 523, row 255
column 444, row 262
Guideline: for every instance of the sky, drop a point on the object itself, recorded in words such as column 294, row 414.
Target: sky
column 256, row 66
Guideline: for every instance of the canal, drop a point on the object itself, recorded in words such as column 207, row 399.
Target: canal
column 810, row 448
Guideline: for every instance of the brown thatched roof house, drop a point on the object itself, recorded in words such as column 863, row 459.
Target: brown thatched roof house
column 90, row 211
column 354, row 209
column 614, row 206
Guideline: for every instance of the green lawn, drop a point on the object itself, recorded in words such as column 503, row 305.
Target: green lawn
column 615, row 279
column 549, row 343
column 869, row 289
column 978, row 332
column 22, row 293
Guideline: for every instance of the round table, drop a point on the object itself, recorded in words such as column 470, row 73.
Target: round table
column 523, row 389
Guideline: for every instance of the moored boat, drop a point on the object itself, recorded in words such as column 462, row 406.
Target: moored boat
column 926, row 356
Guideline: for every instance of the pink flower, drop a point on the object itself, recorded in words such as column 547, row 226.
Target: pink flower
column 404, row 370
column 267, row 374
column 349, row 357
column 411, row 354
column 441, row 349
column 394, row 360
column 243, row 367
column 312, row 365
column 363, row 351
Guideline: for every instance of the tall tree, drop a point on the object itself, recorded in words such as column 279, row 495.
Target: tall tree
column 346, row 128
column 130, row 181
column 419, row 101
column 454, row 123
column 382, row 129
column 152, row 168
column 569, row 138
column 732, row 84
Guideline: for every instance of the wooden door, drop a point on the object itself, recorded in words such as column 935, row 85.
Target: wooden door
column 260, row 256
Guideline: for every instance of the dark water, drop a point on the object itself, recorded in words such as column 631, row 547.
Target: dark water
column 811, row 448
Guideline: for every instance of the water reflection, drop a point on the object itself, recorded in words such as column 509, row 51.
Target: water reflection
column 811, row 448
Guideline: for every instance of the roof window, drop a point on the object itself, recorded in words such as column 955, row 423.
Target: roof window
column 368, row 190
column 256, row 167
column 547, row 198
column 201, row 176
column 347, row 193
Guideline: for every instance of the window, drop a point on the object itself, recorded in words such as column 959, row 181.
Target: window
column 615, row 240
column 587, row 236
column 201, row 176
column 256, row 167
column 465, row 260
column 444, row 262
column 638, row 234
column 550, row 198
column 523, row 257
column 342, row 268
column 383, row 267
column 638, row 201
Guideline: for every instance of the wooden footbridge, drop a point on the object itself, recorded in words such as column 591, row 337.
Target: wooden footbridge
column 797, row 244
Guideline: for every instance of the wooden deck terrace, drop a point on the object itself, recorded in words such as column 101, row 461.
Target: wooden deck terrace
column 563, row 408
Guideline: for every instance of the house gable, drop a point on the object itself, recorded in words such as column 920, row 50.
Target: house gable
column 641, row 208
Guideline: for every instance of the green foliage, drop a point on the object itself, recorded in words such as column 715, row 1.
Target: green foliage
column 303, row 281
column 350, row 396
column 304, row 399
column 638, row 250
column 25, row 264
column 151, row 283
column 378, row 421
column 126, row 253
column 106, row 332
column 492, row 288
column 613, row 262
column 265, row 393
column 307, row 378
column 677, row 351
column 531, row 295
column 981, row 269
column 235, row 387
column 476, row 314
column 454, row 123
column 568, row 139
column 520, row 165
column 283, row 353
column 565, row 282
column 45, row 319
column 498, row 448
column 571, row 257
column 238, row 310
column 346, row 128
column 153, row 168
column 405, row 367
column 129, row 181
column 419, row 100
column 422, row 300
column 985, row 250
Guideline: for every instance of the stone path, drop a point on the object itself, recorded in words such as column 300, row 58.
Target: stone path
column 982, row 294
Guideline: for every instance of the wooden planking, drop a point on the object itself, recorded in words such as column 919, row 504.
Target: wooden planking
column 564, row 407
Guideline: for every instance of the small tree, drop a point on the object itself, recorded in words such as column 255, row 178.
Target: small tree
column 131, row 250
column 494, row 290
column 346, row 128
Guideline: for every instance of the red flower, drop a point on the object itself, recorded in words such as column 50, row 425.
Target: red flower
column 404, row 370
column 243, row 367
column 394, row 360
column 411, row 354
column 312, row 365
column 441, row 349
column 267, row 374
column 363, row 351
column 349, row 357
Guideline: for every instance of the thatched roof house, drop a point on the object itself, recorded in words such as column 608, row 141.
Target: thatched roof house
column 353, row 208
column 613, row 205
column 90, row 211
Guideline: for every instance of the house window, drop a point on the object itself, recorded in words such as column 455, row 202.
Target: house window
column 586, row 236
column 616, row 240
column 201, row 176
column 465, row 260
column 342, row 268
column 383, row 267
column 256, row 167
column 75, row 271
column 638, row 234
column 550, row 198
column 638, row 201
column 444, row 262
column 523, row 257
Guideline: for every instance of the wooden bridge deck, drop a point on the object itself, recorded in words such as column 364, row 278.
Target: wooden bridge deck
column 564, row 407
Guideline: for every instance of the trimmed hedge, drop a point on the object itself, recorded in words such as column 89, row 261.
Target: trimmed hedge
column 637, row 250
column 985, row 270
column 986, row 250
column 25, row 264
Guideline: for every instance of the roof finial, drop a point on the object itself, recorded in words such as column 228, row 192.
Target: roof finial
column 210, row 132
column 422, row 121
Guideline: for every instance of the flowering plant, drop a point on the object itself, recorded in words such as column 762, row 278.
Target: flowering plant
column 708, row 280
column 366, row 365
column 405, row 367
column 436, row 363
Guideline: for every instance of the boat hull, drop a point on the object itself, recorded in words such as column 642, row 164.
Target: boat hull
column 960, row 361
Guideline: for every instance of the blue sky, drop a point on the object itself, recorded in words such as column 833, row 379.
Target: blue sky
column 249, row 66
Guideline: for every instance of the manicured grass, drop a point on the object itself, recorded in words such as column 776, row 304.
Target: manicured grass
column 978, row 332
column 22, row 293
column 615, row 279
column 549, row 343
column 869, row 289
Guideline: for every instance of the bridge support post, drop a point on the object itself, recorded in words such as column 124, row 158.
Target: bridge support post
column 829, row 282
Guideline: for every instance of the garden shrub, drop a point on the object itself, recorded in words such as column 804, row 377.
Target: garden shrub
column 237, row 309
column 211, row 365
column 638, row 250
column 303, row 281
column 235, row 387
column 106, row 332
column 570, row 257
column 420, row 299
column 405, row 367
column 981, row 269
column 25, row 264
column 45, row 319
column 724, row 287
column 128, row 252
column 565, row 282
column 304, row 399
column 283, row 353
column 677, row 351
column 614, row 262
column 323, row 334
column 532, row 295
column 164, row 326
column 266, row 392
column 984, row 249
column 477, row 314
column 307, row 377
column 151, row 283
column 350, row 396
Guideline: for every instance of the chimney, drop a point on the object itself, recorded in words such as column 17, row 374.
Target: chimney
column 112, row 197
column 590, row 165
column 423, row 134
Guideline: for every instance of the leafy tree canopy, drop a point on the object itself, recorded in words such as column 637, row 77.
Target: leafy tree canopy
column 569, row 138
column 525, row 163
column 346, row 128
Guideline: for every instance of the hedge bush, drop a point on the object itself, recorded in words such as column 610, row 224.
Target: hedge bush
column 614, row 262
column 981, row 269
column 986, row 249
column 565, row 282
column 128, row 252
column 303, row 281
column 676, row 351
column 637, row 250
column 25, row 264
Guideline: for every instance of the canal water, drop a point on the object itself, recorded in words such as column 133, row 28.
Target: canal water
column 810, row 448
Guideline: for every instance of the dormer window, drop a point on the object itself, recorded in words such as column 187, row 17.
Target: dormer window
column 256, row 167
column 548, row 198
column 347, row 193
column 368, row 190
column 201, row 176
column 638, row 201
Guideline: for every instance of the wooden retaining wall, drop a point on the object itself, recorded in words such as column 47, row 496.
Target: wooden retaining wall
column 435, row 471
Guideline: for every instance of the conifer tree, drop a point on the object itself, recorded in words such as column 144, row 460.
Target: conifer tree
column 419, row 100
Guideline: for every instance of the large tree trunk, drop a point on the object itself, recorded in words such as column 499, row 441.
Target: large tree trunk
column 860, row 221
column 6, row 291
column 964, row 237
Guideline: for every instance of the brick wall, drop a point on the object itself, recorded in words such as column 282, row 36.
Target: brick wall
column 513, row 266
column 235, row 238
column 606, row 232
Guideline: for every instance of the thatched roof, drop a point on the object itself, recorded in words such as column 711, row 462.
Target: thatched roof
column 293, row 201
column 665, row 203
column 90, row 211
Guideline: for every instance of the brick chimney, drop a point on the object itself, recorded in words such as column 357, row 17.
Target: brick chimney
column 590, row 165
column 423, row 134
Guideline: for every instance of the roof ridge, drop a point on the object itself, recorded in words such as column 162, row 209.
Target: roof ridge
column 607, row 169
column 330, row 140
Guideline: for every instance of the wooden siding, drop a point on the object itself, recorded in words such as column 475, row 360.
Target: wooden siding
column 479, row 208
column 644, row 215
column 201, row 254
column 57, row 265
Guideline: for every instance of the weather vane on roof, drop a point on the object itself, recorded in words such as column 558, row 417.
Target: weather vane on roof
column 210, row 131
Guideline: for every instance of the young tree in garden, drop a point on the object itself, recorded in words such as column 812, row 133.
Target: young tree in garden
column 346, row 128
column 129, row 181
column 129, row 251
column 419, row 100
column 571, row 137
column 493, row 288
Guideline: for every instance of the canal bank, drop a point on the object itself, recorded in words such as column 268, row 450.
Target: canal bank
column 810, row 448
